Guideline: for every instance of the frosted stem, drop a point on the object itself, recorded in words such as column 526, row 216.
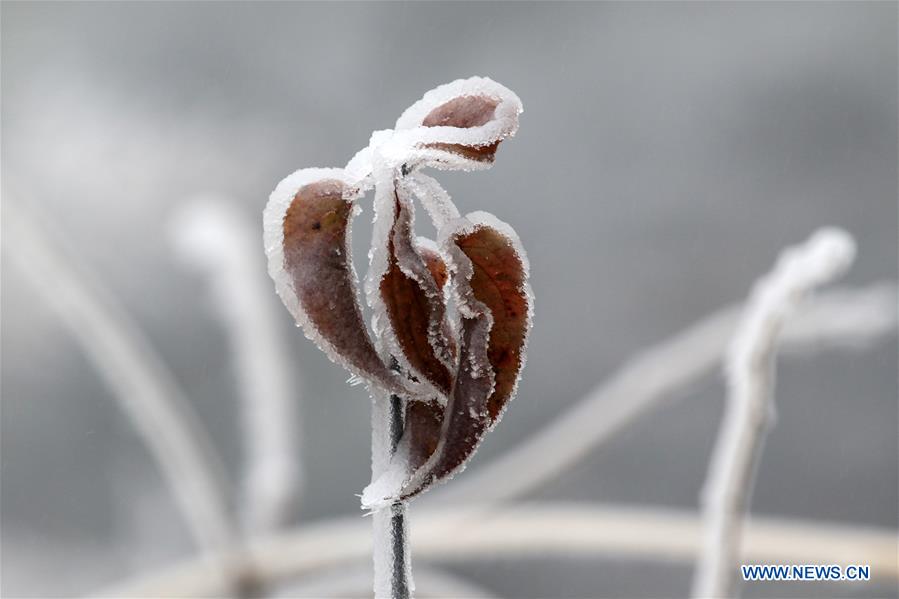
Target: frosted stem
column 392, row 559
column 355, row 581
column 400, row 580
column 749, row 411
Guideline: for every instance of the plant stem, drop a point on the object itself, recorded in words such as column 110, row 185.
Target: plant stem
column 392, row 561
column 402, row 561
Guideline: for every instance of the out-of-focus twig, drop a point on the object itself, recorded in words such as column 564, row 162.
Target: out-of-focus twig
column 356, row 581
column 536, row 530
column 210, row 233
column 137, row 377
column 749, row 411
column 849, row 318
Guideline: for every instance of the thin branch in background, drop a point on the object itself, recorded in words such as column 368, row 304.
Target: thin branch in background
column 212, row 235
column 750, row 369
column 145, row 388
column 537, row 530
column 356, row 581
column 845, row 319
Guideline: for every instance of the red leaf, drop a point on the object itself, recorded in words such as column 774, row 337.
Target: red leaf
column 307, row 224
column 489, row 273
column 435, row 264
column 463, row 111
column 424, row 421
column 499, row 281
column 461, row 124
column 414, row 304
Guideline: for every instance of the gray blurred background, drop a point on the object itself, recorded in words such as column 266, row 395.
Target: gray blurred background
column 666, row 153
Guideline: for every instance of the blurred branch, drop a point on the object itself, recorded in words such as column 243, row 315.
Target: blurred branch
column 139, row 380
column 749, row 411
column 213, row 236
column 535, row 530
column 848, row 319
column 356, row 581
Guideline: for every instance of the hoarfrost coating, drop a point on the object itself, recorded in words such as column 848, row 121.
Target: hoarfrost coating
column 749, row 414
column 450, row 318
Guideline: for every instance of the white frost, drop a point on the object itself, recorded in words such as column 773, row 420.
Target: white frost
column 436, row 201
column 504, row 123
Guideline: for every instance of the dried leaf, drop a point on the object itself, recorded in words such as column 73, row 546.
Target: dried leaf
column 436, row 265
column 465, row 419
column 460, row 125
column 307, row 231
column 489, row 275
column 427, row 249
column 415, row 305
column 458, row 428
column 464, row 112
column 424, row 420
column 500, row 281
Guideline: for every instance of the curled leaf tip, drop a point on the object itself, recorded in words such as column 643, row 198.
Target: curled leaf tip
column 463, row 112
column 461, row 124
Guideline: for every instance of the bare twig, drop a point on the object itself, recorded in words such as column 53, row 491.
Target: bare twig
column 139, row 380
column 356, row 581
column 749, row 411
column 851, row 319
column 558, row 529
column 211, row 234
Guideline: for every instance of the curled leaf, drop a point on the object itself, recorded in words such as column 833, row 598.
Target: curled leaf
column 460, row 125
column 423, row 424
column 499, row 280
column 435, row 445
column 463, row 111
column 435, row 264
column 307, row 240
column 412, row 302
column 490, row 279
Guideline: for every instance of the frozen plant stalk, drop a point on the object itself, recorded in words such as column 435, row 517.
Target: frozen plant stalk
column 750, row 406
column 450, row 316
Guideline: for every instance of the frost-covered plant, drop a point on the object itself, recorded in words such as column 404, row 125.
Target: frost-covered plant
column 750, row 401
column 450, row 317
